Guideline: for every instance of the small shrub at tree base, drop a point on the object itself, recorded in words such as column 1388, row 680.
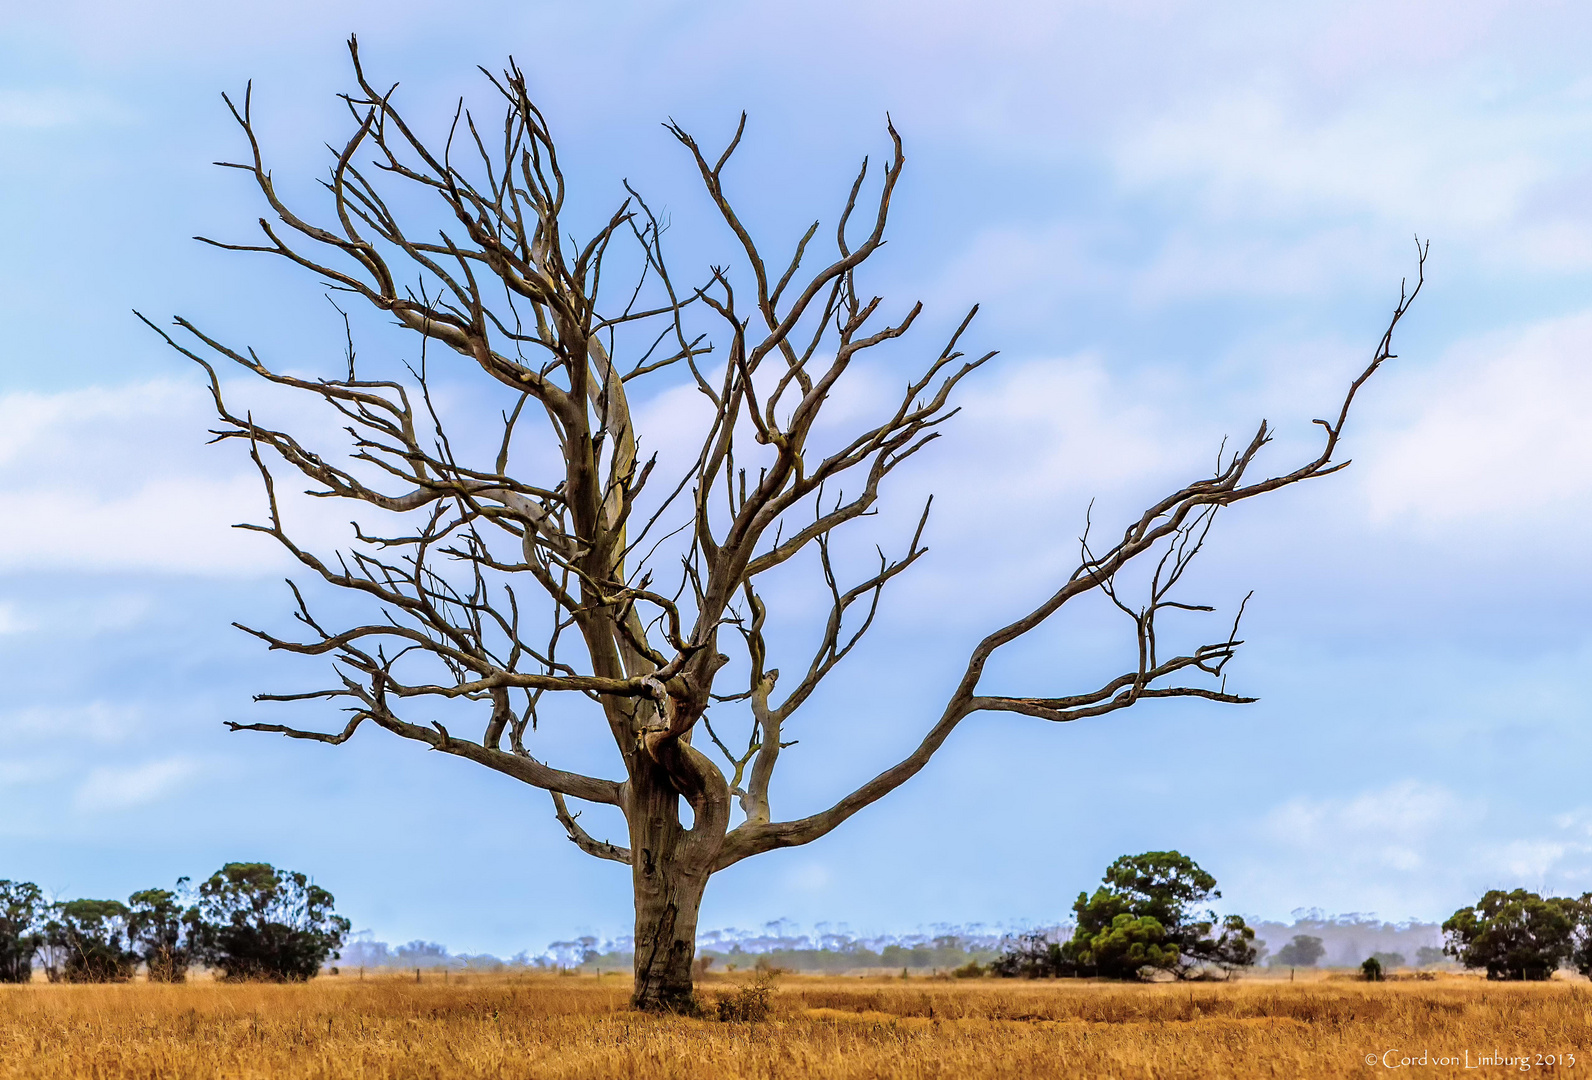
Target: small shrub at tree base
column 970, row 970
column 1371, row 969
column 21, row 905
column 256, row 922
column 748, row 1004
column 1515, row 935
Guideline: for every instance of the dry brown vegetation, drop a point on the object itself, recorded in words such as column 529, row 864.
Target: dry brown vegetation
column 582, row 1027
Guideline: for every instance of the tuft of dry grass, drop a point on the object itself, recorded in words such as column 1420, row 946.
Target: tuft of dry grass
column 577, row 1028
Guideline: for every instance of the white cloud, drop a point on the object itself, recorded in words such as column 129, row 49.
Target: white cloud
column 119, row 478
column 1408, row 848
column 124, row 787
column 1249, row 153
column 11, row 620
column 94, row 722
column 1389, row 828
column 1495, row 435
column 1214, row 263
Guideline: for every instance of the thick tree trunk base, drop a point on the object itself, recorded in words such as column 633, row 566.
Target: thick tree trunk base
column 666, row 924
column 669, row 878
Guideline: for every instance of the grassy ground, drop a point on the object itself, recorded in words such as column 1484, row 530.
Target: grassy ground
column 580, row 1027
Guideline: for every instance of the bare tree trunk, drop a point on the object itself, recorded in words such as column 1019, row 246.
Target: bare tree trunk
column 669, row 881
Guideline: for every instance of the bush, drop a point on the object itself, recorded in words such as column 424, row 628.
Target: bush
column 1371, row 969
column 970, row 970
column 161, row 931
column 1033, row 956
column 749, row 1003
column 86, row 941
column 1515, row 935
column 255, row 922
column 21, row 905
column 1129, row 946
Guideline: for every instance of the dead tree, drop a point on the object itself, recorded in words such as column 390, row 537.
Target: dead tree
column 493, row 584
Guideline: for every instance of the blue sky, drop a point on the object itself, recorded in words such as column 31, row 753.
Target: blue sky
column 1180, row 218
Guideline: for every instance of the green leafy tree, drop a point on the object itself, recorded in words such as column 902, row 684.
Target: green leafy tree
column 160, row 929
column 1389, row 960
column 1371, row 969
column 1302, row 951
column 256, row 922
column 88, row 943
column 1514, row 935
column 21, row 905
column 1143, row 919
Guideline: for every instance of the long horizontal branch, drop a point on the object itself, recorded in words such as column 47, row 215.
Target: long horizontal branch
column 1122, row 692
column 525, row 769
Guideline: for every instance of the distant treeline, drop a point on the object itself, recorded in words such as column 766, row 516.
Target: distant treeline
column 1347, row 941
column 776, row 945
column 246, row 921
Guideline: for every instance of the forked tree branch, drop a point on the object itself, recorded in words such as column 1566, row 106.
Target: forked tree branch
column 1165, row 519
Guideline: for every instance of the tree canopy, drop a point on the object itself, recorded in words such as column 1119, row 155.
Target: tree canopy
column 1144, row 918
column 21, row 903
column 1515, row 935
column 87, row 941
column 256, row 922
column 161, row 929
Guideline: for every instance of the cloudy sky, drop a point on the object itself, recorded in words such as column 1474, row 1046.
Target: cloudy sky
column 1179, row 218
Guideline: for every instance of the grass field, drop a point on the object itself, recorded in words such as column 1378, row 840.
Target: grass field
column 580, row 1027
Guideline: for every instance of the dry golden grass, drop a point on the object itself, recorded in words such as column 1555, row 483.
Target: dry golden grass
column 548, row 1027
